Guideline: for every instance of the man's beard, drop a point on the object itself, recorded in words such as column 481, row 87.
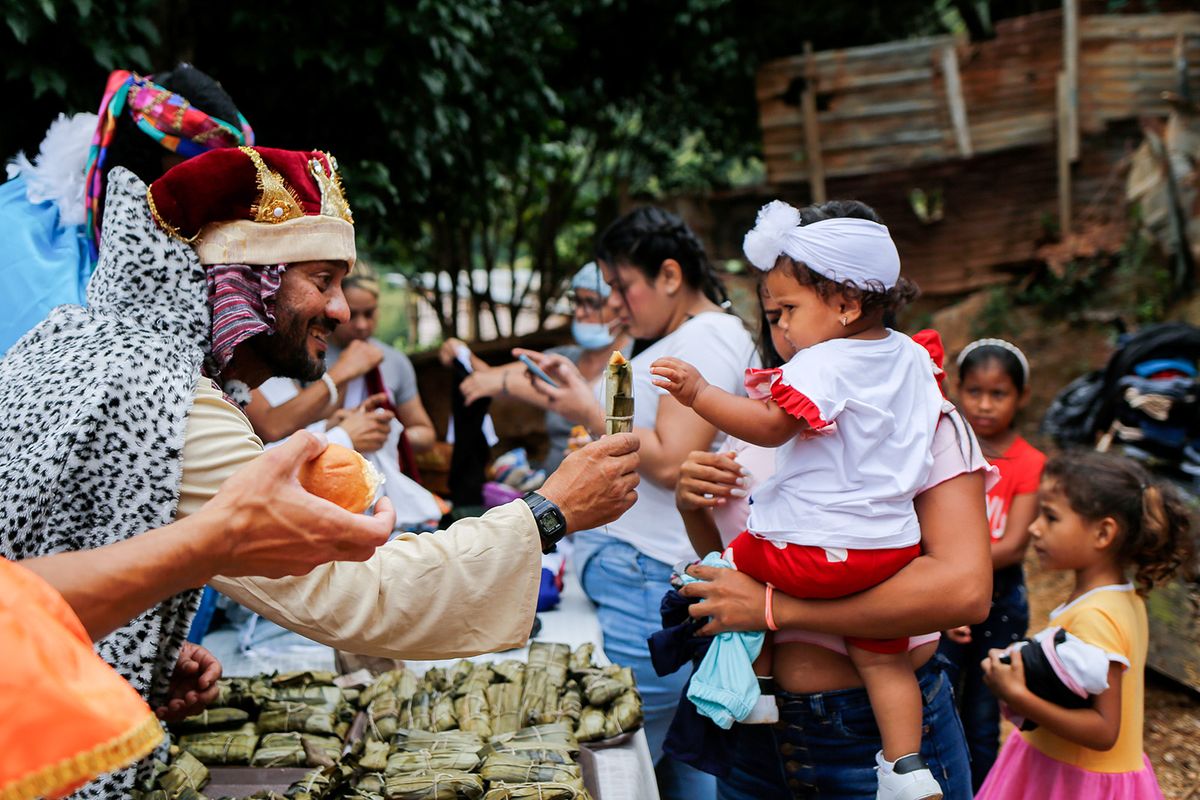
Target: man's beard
column 286, row 350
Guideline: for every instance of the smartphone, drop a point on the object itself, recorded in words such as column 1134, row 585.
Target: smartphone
column 537, row 371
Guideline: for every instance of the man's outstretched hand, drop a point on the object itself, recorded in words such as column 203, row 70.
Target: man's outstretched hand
column 597, row 483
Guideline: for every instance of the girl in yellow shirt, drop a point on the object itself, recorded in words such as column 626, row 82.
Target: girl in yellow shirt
column 1100, row 517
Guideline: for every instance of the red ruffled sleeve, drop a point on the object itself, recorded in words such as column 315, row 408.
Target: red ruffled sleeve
column 764, row 383
column 931, row 340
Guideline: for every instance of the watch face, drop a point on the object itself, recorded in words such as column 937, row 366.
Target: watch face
column 549, row 523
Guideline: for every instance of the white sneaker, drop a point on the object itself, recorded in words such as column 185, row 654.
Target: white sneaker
column 906, row 779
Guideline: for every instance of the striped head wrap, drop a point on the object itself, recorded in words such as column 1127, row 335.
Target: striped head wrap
column 164, row 116
column 242, row 299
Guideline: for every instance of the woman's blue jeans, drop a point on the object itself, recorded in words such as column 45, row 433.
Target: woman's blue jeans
column 627, row 587
column 1006, row 623
column 824, row 746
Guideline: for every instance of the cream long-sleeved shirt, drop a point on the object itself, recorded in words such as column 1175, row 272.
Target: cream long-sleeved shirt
column 469, row 589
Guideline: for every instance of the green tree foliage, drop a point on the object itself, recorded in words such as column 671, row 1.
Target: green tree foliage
column 475, row 135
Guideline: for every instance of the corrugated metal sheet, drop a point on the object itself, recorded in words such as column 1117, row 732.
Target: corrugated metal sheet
column 886, row 107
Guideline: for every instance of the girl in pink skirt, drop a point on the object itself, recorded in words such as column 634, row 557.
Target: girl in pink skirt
column 1101, row 517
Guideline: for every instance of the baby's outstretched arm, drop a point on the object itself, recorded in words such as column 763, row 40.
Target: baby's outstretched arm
column 758, row 422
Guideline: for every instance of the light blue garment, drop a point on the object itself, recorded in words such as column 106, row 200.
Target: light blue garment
column 627, row 587
column 42, row 265
column 724, row 687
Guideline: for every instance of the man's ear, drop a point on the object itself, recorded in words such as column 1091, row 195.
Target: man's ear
column 670, row 276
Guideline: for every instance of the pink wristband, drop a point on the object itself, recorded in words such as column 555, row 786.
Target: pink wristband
column 770, row 614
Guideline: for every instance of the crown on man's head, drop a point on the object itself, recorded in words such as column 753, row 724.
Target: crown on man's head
column 256, row 205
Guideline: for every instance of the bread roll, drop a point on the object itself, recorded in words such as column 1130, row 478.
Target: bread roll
column 342, row 476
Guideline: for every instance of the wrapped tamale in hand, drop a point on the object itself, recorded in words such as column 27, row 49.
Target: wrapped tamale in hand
column 414, row 741
column 444, row 785
column 222, row 747
column 279, row 750
column 625, row 714
column 441, row 713
column 212, row 719
column 504, row 700
column 570, row 704
column 423, row 761
column 591, row 724
column 618, row 395
column 280, row 717
column 183, row 778
column 510, row 769
column 537, row 791
column 473, row 713
column 553, row 658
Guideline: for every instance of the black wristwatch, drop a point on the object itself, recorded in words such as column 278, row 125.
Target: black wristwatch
column 552, row 525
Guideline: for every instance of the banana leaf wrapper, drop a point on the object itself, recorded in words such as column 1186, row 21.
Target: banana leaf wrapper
column 509, row 769
column 371, row 782
column 441, row 713
column 480, row 677
column 359, row 794
column 539, row 699
column 383, row 717
column 532, row 751
column 537, row 791
column 329, row 698
column 425, row 761
column 222, row 747
column 375, row 756
column 623, row 675
column 625, row 714
column 415, row 713
column 321, row 751
column 151, row 794
column 407, row 685
column 509, row 670
column 570, row 704
column 555, row 733
column 246, row 693
column 504, row 700
column 618, row 395
column 445, row 785
column 600, row 689
column 414, row 741
column 591, row 724
column 282, row 717
column 313, row 786
column 458, row 673
column 473, row 713
column 185, row 777
column 384, row 684
column 212, row 719
column 279, row 750
column 581, row 658
column 435, row 680
column 304, row 678
column 553, row 658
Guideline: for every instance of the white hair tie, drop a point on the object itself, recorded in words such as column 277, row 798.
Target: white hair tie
column 1003, row 345
column 842, row 249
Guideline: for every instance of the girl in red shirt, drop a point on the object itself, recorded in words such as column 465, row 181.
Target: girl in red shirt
column 993, row 385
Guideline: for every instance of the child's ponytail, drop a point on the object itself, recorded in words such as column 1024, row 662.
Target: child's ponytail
column 1164, row 543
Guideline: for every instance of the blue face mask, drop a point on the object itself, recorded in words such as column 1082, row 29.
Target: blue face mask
column 591, row 335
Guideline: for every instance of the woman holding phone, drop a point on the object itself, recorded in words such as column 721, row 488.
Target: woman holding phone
column 666, row 294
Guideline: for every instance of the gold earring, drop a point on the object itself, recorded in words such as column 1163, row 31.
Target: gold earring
column 844, row 322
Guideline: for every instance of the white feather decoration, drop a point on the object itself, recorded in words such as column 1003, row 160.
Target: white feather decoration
column 765, row 242
column 58, row 171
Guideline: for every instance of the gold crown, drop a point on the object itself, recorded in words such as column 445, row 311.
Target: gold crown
column 277, row 202
column 333, row 199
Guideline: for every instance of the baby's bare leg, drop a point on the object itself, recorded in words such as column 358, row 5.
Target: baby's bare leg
column 895, row 699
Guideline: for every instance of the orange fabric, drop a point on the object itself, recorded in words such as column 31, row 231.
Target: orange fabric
column 68, row 716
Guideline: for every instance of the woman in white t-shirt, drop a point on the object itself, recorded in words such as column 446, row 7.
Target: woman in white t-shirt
column 665, row 293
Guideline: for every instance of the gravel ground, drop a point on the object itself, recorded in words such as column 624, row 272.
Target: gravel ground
column 1172, row 738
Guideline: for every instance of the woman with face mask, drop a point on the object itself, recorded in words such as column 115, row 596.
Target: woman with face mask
column 596, row 333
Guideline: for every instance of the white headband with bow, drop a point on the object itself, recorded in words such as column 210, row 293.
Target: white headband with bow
column 842, row 249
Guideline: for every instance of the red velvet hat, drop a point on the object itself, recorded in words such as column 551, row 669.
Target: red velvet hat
column 256, row 205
